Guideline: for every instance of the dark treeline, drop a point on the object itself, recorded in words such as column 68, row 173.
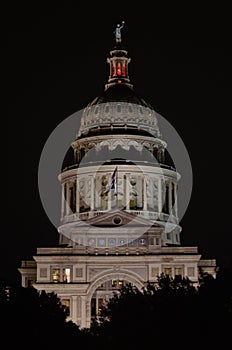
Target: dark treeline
column 171, row 313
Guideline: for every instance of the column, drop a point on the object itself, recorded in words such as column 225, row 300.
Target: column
column 127, row 193
column 77, row 197
column 92, row 207
column 144, row 193
column 74, row 308
column 83, row 315
column 109, row 193
column 170, row 197
column 175, row 197
column 160, row 204
column 67, row 198
column 62, row 200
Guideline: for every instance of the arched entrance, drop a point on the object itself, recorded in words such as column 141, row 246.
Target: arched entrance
column 103, row 288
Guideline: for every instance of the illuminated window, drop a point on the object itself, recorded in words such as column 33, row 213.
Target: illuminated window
column 100, row 306
column 124, row 69
column 119, row 72
column 122, row 241
column 168, row 271
column 66, row 275
column 66, row 302
column 178, row 271
column 114, row 283
column 120, row 283
column 132, row 204
column 56, row 275
column 114, row 69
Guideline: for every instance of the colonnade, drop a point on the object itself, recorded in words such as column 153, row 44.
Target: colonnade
column 124, row 195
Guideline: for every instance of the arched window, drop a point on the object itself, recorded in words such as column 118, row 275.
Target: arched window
column 119, row 71
column 118, row 108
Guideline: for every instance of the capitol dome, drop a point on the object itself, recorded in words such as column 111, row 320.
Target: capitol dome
column 119, row 134
column 119, row 107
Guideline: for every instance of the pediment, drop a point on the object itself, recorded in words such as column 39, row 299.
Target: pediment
column 119, row 218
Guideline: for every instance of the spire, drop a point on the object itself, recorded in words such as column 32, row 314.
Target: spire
column 118, row 61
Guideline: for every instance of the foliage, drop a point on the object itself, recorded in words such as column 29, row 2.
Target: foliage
column 34, row 316
column 170, row 313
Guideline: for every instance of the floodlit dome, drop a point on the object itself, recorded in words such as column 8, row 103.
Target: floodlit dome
column 119, row 107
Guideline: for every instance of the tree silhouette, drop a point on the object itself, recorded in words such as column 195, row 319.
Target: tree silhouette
column 169, row 313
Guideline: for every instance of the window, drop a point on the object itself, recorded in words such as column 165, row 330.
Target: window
column 119, row 72
column 66, row 302
column 124, row 73
column 168, row 271
column 117, row 283
column 107, row 108
column 66, row 275
column 61, row 275
column 43, row 272
column 157, row 241
column 142, row 241
column 112, row 241
column 154, row 271
column 118, row 108
column 178, row 271
column 165, row 207
column 169, row 236
column 93, row 306
column 101, row 242
column 132, row 241
column 114, row 283
column 190, row 271
column 122, row 241
column 55, row 275
column 100, row 306
column 114, row 69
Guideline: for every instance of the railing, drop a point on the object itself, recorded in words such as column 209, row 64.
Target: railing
column 146, row 214
column 118, row 162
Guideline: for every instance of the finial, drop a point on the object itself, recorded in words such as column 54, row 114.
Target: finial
column 117, row 32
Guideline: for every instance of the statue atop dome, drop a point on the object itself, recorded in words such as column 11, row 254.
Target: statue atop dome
column 117, row 32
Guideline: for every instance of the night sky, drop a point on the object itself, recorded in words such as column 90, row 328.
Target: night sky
column 56, row 64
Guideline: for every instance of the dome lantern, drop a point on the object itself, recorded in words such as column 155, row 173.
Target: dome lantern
column 118, row 61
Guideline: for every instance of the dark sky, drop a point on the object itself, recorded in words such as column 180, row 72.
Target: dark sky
column 56, row 64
